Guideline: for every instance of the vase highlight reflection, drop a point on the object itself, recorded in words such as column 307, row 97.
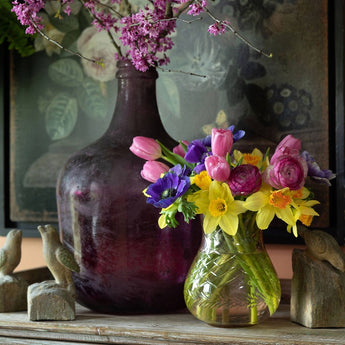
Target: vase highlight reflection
column 127, row 264
column 232, row 281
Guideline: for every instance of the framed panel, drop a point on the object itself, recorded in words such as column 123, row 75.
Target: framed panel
column 266, row 97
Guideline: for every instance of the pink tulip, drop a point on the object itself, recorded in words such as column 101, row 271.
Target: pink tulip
column 146, row 148
column 217, row 167
column 152, row 170
column 221, row 141
column 179, row 149
column 288, row 146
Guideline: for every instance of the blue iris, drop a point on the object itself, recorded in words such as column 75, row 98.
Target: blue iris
column 167, row 189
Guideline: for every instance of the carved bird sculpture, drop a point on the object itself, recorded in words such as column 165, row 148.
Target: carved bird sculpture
column 60, row 261
column 10, row 253
column 323, row 246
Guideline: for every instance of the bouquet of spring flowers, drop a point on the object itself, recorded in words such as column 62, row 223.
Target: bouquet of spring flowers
column 211, row 179
column 238, row 194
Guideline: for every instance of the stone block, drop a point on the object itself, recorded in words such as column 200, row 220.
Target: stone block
column 317, row 292
column 49, row 301
column 13, row 292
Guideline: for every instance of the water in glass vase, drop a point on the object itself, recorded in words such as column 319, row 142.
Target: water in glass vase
column 232, row 281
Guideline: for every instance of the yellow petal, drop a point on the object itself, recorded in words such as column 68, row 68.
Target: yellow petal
column 256, row 201
column 210, row 223
column 264, row 217
column 305, row 193
column 257, row 152
column 200, row 199
column 229, row 224
column 237, row 207
column 237, row 155
column 286, row 215
column 311, row 203
column 215, row 190
column 227, row 193
column 308, row 211
column 162, row 221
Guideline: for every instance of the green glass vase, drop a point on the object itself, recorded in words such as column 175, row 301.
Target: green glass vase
column 232, row 281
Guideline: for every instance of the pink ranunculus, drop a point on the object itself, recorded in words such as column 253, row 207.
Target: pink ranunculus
column 152, row 170
column 287, row 171
column 217, row 167
column 245, row 179
column 146, row 148
column 288, row 146
column 221, row 141
column 179, row 149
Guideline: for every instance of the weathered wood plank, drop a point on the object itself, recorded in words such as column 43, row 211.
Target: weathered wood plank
column 179, row 328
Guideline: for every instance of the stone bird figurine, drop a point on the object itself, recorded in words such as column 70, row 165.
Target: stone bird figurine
column 323, row 246
column 10, row 253
column 60, row 261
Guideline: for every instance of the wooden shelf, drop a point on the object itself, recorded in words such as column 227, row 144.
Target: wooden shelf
column 179, row 328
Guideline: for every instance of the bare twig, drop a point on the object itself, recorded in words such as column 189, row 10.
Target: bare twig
column 170, row 19
column 110, row 8
column 237, row 34
column 70, row 51
column 179, row 71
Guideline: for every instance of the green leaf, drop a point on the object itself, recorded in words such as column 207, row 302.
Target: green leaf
column 70, row 39
column 91, row 99
column 66, row 72
column 61, row 116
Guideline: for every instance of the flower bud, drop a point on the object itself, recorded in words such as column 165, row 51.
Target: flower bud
column 179, row 149
column 288, row 146
column 245, row 179
column 218, row 168
column 152, row 170
column 221, row 141
column 146, row 148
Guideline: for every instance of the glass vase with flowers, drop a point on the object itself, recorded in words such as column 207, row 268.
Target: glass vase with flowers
column 232, row 281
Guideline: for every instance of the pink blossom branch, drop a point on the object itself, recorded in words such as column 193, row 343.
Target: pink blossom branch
column 183, row 8
column 237, row 34
column 117, row 47
column 70, row 51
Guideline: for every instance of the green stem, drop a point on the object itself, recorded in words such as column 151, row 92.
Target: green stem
column 253, row 307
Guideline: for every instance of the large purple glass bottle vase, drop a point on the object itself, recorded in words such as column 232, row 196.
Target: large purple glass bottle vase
column 127, row 264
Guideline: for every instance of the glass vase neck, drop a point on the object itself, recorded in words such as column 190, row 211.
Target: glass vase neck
column 136, row 111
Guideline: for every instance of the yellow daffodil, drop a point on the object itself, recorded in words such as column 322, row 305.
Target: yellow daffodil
column 269, row 203
column 255, row 158
column 303, row 210
column 202, row 180
column 218, row 207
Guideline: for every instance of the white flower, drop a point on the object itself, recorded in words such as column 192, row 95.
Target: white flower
column 97, row 46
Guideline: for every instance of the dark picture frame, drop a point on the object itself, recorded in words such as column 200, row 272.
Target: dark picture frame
column 336, row 137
